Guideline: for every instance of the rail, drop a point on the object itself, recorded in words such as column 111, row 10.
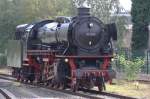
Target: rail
column 84, row 95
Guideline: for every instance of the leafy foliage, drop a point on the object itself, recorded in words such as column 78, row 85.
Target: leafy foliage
column 140, row 17
column 131, row 67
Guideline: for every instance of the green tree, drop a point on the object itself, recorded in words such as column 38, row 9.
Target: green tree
column 7, row 22
column 140, row 17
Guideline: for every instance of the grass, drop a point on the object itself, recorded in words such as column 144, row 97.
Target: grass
column 130, row 89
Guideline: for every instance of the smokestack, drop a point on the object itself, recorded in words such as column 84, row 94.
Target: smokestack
column 83, row 11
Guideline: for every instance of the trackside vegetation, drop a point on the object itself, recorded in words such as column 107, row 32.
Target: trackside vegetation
column 131, row 67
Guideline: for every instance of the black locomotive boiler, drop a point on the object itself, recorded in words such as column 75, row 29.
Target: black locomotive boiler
column 73, row 52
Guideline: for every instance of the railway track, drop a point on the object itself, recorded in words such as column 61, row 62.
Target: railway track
column 81, row 93
column 4, row 94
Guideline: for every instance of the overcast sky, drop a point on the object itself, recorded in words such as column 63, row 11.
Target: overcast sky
column 126, row 4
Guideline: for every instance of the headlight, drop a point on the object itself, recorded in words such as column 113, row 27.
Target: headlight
column 66, row 60
column 112, row 59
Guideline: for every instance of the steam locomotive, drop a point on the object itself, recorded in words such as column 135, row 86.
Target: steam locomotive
column 67, row 51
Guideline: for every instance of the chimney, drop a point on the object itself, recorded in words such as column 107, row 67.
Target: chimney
column 83, row 11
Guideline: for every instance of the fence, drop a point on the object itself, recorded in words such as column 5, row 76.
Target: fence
column 128, row 55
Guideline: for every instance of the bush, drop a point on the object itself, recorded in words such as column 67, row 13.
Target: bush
column 131, row 67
